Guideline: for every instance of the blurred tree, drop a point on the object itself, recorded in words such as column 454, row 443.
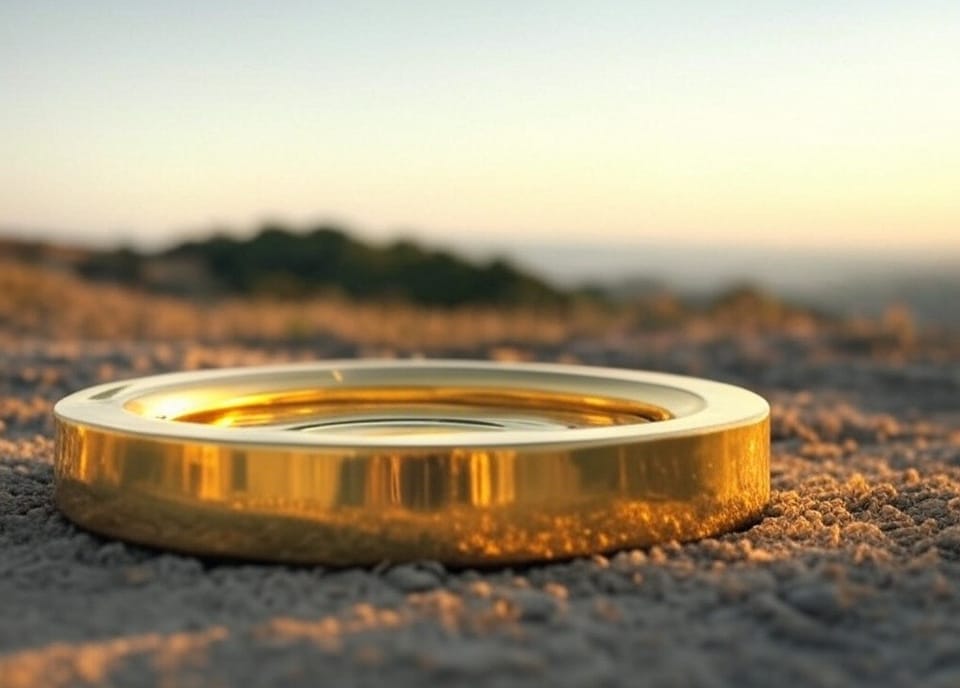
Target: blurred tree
column 281, row 263
column 123, row 265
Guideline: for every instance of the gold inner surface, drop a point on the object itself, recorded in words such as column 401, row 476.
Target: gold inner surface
column 420, row 410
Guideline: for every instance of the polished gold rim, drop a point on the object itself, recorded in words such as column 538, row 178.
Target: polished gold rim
column 356, row 462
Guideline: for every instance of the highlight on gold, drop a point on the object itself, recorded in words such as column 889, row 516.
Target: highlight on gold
column 354, row 462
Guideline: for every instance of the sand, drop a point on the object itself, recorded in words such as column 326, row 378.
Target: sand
column 851, row 578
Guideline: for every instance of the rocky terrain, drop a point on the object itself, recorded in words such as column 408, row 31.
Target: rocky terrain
column 852, row 577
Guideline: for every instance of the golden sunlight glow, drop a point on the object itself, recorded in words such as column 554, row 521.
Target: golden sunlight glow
column 821, row 126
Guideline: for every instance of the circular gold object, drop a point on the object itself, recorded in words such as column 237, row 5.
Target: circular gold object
column 355, row 462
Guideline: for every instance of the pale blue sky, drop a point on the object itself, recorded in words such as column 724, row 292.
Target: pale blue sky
column 813, row 124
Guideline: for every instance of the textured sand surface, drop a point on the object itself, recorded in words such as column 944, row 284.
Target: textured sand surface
column 851, row 578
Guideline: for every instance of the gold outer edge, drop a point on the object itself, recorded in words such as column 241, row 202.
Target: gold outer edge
column 467, row 499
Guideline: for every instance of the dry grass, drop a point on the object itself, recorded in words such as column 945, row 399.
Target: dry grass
column 43, row 303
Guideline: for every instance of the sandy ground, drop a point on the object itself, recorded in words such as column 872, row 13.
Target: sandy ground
column 851, row 578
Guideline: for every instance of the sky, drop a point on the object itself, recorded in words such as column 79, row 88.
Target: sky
column 816, row 125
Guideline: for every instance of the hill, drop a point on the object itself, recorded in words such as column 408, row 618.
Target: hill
column 281, row 263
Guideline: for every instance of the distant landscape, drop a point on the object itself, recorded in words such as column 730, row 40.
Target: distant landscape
column 848, row 282
column 283, row 262
column 279, row 262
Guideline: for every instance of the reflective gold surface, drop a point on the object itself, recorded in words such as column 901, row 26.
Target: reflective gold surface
column 383, row 410
column 358, row 462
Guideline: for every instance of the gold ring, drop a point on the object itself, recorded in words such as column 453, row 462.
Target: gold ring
column 357, row 462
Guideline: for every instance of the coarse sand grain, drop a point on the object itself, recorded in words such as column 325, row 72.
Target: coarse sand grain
column 851, row 578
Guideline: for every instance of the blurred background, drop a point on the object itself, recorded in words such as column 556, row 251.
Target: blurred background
column 539, row 169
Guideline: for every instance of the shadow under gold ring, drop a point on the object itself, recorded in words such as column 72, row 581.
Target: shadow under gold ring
column 357, row 462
